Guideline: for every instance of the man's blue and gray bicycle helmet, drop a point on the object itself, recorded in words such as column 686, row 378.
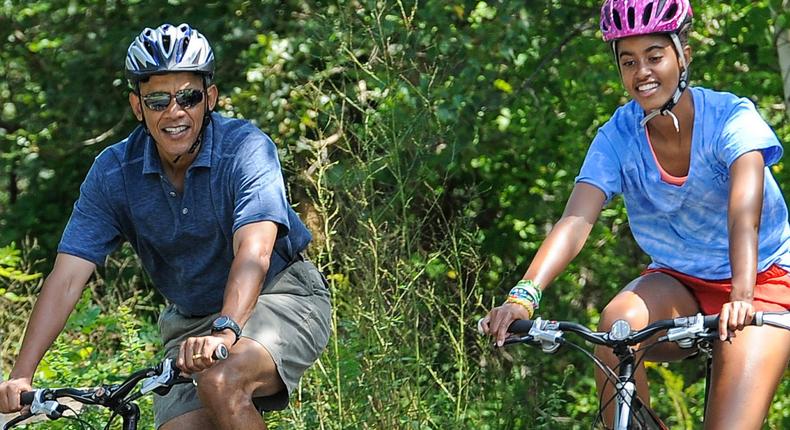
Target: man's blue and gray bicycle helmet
column 169, row 49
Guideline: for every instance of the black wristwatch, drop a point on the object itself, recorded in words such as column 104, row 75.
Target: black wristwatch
column 224, row 322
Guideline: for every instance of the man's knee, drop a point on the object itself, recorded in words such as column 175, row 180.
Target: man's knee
column 222, row 384
column 230, row 382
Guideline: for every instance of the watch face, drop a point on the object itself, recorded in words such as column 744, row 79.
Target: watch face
column 221, row 321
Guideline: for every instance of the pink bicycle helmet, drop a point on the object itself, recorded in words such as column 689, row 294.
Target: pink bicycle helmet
column 624, row 18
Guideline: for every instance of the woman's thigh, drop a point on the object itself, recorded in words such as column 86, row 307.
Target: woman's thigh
column 746, row 371
column 651, row 297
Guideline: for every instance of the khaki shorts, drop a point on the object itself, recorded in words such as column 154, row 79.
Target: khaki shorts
column 291, row 320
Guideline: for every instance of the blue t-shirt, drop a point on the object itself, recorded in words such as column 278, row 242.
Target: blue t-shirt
column 185, row 240
column 684, row 228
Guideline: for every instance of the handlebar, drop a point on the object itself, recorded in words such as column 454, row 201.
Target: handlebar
column 682, row 330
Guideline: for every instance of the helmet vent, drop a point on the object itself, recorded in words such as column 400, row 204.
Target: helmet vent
column 661, row 4
column 671, row 11
column 631, row 20
column 166, row 42
column 646, row 14
column 183, row 48
column 150, row 48
column 617, row 22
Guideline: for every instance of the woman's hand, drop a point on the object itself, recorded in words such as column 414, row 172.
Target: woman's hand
column 734, row 316
column 9, row 394
column 499, row 319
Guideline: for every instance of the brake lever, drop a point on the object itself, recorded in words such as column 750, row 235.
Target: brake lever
column 686, row 337
column 520, row 339
column 50, row 408
column 162, row 380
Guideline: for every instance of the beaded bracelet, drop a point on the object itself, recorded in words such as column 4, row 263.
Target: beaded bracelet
column 526, row 293
column 528, row 288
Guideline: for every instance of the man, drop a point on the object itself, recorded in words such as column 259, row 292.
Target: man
column 201, row 199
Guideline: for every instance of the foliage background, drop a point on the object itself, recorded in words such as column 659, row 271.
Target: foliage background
column 428, row 145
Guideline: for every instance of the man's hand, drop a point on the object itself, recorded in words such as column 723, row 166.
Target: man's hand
column 9, row 394
column 197, row 353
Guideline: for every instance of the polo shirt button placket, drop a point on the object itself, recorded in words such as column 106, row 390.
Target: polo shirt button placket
column 184, row 211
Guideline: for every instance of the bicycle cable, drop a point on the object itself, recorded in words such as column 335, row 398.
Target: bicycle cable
column 76, row 417
column 611, row 377
column 109, row 421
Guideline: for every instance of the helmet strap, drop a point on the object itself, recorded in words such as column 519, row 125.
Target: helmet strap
column 206, row 121
column 683, row 83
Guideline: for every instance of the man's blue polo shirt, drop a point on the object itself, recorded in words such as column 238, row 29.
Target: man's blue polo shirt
column 185, row 240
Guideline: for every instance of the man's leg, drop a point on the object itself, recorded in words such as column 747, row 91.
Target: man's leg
column 226, row 389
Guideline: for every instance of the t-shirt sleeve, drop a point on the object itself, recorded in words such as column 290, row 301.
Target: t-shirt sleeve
column 601, row 167
column 258, row 185
column 92, row 231
column 744, row 131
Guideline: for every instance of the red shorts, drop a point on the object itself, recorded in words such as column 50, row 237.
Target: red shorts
column 771, row 292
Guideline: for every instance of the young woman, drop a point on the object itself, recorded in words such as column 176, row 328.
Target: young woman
column 692, row 166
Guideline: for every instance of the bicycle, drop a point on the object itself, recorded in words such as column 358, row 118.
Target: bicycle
column 630, row 411
column 118, row 398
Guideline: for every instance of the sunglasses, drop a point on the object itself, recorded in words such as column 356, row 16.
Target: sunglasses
column 185, row 98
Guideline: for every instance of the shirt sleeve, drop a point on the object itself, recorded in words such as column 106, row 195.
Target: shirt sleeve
column 601, row 167
column 92, row 231
column 745, row 131
column 258, row 185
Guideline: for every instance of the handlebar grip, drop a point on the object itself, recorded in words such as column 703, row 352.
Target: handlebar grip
column 520, row 326
column 26, row 397
column 221, row 353
column 711, row 321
